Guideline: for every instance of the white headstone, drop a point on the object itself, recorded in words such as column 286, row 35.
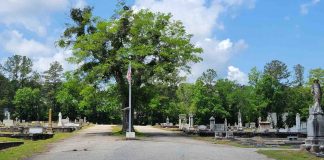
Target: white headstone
column 284, row 119
column 274, row 119
column 60, row 120
column 297, row 122
column 8, row 122
column 35, row 130
column 212, row 123
column 7, row 114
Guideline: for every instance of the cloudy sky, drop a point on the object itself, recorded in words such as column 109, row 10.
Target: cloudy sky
column 236, row 35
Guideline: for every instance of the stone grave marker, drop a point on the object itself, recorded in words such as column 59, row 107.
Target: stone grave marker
column 212, row 123
column 35, row 130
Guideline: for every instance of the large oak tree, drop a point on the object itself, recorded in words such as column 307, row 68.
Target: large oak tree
column 157, row 46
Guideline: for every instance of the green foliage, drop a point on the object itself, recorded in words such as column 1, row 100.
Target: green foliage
column 299, row 75
column 53, row 80
column 28, row 104
column 157, row 47
column 277, row 70
column 29, row 147
column 316, row 73
column 18, row 69
column 68, row 96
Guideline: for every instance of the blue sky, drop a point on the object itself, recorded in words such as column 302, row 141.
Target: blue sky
column 236, row 35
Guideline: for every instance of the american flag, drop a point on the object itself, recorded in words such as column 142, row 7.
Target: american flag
column 129, row 74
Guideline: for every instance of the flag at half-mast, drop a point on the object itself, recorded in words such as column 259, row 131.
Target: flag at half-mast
column 129, row 73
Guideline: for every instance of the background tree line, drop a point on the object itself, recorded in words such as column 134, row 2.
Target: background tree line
column 29, row 94
column 159, row 48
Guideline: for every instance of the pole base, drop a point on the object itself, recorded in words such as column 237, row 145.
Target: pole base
column 130, row 135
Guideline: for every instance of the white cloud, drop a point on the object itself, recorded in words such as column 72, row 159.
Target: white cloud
column 304, row 8
column 234, row 74
column 43, row 63
column 201, row 18
column 14, row 42
column 32, row 14
column 216, row 55
column 42, row 54
column 80, row 4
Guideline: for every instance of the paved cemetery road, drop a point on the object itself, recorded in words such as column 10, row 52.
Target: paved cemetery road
column 95, row 143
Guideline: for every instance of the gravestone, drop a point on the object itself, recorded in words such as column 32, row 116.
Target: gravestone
column 252, row 125
column 219, row 127
column 239, row 117
column 65, row 121
column 50, row 125
column 202, row 127
column 212, row 123
column 303, row 126
column 182, row 120
column 8, row 122
column 264, row 126
column 35, row 130
column 247, row 125
column 167, row 120
column 60, row 124
column 274, row 119
column 284, row 119
column 298, row 122
column 269, row 119
column 228, row 134
column 191, row 123
column 315, row 122
column 85, row 119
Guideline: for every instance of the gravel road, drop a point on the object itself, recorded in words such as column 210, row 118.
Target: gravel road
column 95, row 143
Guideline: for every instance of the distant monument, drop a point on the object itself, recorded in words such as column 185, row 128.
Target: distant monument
column 315, row 122
column 239, row 117
column 317, row 94
column 8, row 122
column 60, row 124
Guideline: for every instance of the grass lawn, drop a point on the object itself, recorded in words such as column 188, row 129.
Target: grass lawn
column 224, row 142
column 30, row 147
column 288, row 155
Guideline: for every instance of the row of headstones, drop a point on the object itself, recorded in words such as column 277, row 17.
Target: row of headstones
column 271, row 123
column 7, row 122
column 67, row 123
column 263, row 125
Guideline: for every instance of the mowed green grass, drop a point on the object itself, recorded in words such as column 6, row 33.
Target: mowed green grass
column 288, row 155
column 29, row 147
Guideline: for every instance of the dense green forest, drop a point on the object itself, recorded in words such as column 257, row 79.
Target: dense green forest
column 159, row 49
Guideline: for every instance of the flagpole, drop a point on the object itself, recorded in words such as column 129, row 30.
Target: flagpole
column 130, row 104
